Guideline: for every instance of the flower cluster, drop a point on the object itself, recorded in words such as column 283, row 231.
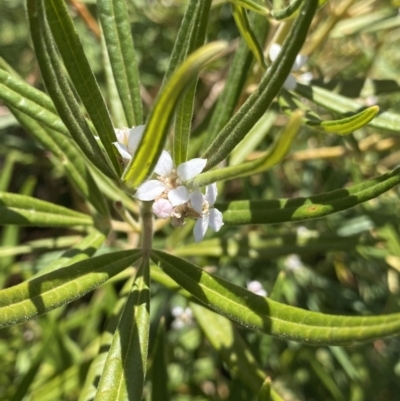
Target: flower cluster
column 171, row 197
column 290, row 83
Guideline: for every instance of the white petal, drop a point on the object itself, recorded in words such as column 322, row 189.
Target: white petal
column 135, row 136
column 190, row 169
column 178, row 196
column 215, row 219
column 165, row 164
column 290, row 83
column 299, row 62
column 274, row 51
column 211, row 193
column 254, row 286
column 162, row 208
column 122, row 150
column 200, row 228
column 122, row 135
column 197, row 199
column 150, row 190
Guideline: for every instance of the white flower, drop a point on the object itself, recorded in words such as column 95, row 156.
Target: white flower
column 209, row 216
column 257, row 288
column 182, row 317
column 290, row 83
column 169, row 184
column 128, row 141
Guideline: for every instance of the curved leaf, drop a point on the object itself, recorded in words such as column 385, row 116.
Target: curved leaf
column 341, row 126
column 297, row 209
column 252, row 6
column 273, row 156
column 117, row 33
column 185, row 107
column 387, row 120
column 242, row 23
column 127, row 357
column 254, row 107
column 270, row 317
column 81, row 74
column 25, row 210
column 32, row 109
column 66, row 155
column 156, row 131
column 59, row 89
column 47, row 292
column 288, row 11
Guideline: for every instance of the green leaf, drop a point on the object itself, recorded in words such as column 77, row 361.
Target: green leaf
column 181, row 45
column 117, row 33
column 27, row 211
column 297, row 209
column 127, row 357
column 265, row 391
column 17, row 97
column 60, row 90
column 252, row 6
column 47, row 292
column 83, row 250
column 341, row 126
column 235, row 81
column 156, row 130
column 225, row 339
column 287, row 12
column 386, row 121
column 243, row 25
column 270, row 317
column 254, row 107
column 88, row 391
column 184, row 112
column 159, row 373
column 272, row 157
column 81, row 75
column 67, row 156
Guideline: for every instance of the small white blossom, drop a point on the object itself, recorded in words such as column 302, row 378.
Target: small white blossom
column 256, row 287
column 209, row 216
column 182, row 317
column 170, row 181
column 128, row 141
column 290, row 83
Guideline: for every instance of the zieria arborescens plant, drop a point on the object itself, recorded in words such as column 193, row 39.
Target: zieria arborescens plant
column 174, row 266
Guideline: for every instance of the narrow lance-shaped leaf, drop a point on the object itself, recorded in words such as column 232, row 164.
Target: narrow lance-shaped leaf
column 89, row 388
column 184, row 112
column 288, row 11
column 341, row 126
column 47, row 292
column 27, row 211
column 277, row 152
column 83, row 250
column 156, row 130
column 240, row 16
column 297, row 209
column 252, row 6
column 59, row 88
column 235, row 81
column 270, row 317
column 127, row 357
column 226, row 340
column 81, row 74
column 18, row 101
column 387, row 120
column 181, row 45
column 254, row 107
column 67, row 155
column 117, row 33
